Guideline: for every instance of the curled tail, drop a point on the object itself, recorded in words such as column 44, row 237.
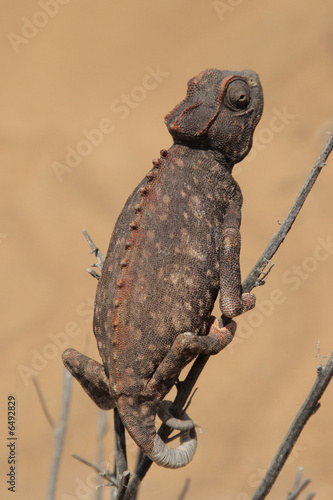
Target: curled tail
column 174, row 458
column 141, row 426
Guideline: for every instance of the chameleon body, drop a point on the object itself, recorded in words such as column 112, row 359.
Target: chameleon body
column 175, row 246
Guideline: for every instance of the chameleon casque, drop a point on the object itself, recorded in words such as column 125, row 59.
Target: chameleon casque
column 174, row 247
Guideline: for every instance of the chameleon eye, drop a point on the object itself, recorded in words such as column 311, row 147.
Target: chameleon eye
column 237, row 95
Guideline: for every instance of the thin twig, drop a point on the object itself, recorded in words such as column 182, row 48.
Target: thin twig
column 309, row 407
column 96, row 251
column 138, row 462
column 310, row 496
column 298, row 488
column 43, row 403
column 185, row 388
column 101, row 431
column 294, row 495
column 86, row 462
column 185, row 489
column 298, row 478
column 108, row 476
column 59, row 434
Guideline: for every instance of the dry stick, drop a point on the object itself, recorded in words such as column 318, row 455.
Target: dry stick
column 59, row 434
column 140, row 457
column 120, row 458
column 309, row 407
column 123, row 485
column 298, row 488
column 185, row 388
column 43, row 403
column 185, row 489
column 101, row 432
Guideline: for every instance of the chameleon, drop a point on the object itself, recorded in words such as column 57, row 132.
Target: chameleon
column 174, row 248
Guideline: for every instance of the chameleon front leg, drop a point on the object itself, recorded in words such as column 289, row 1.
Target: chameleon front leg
column 185, row 347
column 232, row 301
column 92, row 377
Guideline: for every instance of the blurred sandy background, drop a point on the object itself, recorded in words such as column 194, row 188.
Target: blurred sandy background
column 66, row 67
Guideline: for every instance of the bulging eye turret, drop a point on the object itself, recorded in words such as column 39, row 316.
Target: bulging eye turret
column 237, row 95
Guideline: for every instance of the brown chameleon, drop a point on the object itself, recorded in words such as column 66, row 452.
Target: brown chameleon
column 175, row 245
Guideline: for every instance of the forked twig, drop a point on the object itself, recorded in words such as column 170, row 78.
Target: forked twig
column 299, row 487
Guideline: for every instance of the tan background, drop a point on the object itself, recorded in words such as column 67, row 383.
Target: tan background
column 63, row 79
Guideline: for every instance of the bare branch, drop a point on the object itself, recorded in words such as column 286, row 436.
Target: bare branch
column 101, row 431
column 43, row 403
column 59, row 434
column 120, row 442
column 120, row 457
column 309, row 407
column 185, row 489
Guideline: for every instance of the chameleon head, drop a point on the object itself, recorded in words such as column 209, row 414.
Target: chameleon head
column 220, row 112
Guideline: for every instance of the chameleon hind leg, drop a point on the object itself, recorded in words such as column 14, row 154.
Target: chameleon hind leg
column 185, row 347
column 92, row 377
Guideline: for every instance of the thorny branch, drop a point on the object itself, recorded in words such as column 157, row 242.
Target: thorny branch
column 255, row 278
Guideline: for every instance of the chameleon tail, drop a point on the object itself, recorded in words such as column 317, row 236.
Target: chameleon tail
column 174, row 458
column 141, row 426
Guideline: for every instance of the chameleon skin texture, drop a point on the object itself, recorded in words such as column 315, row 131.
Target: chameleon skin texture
column 175, row 245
